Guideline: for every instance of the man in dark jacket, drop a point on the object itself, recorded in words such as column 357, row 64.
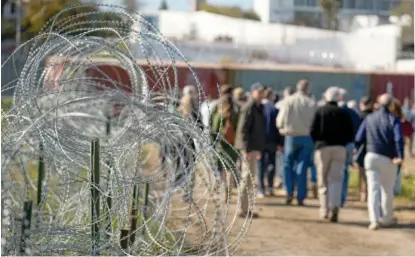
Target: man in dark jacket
column 365, row 107
column 266, row 166
column 250, row 140
column 350, row 146
column 331, row 131
column 382, row 133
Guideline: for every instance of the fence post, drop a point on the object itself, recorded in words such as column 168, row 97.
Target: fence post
column 41, row 174
column 26, row 223
column 95, row 203
column 109, row 199
column 133, row 215
column 146, row 192
column 124, row 239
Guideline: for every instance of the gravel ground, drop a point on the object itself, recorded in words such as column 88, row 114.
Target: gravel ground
column 293, row 230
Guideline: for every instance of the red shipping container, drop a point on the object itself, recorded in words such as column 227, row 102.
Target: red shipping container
column 162, row 77
column 401, row 85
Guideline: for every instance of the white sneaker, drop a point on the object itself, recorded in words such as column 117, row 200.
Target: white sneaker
column 374, row 226
column 260, row 195
column 390, row 223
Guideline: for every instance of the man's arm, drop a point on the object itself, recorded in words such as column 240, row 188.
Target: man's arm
column 280, row 138
column 350, row 127
column 282, row 116
column 397, row 135
column 246, row 125
column 315, row 126
column 361, row 133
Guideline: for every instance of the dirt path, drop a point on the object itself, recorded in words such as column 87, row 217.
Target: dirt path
column 293, row 230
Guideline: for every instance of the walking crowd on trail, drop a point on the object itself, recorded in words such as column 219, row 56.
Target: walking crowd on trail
column 279, row 140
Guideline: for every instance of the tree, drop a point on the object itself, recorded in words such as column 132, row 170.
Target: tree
column 406, row 7
column 163, row 5
column 37, row 13
column 251, row 15
column 330, row 9
column 234, row 11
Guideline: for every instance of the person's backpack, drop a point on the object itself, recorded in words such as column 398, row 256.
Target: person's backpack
column 229, row 132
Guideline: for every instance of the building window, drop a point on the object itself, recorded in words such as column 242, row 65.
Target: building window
column 308, row 3
column 365, row 5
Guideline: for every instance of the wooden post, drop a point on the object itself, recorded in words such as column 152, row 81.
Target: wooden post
column 95, row 201
column 26, row 222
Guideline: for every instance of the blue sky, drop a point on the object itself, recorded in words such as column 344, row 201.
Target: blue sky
column 184, row 5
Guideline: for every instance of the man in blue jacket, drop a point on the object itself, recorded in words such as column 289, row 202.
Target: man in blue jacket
column 274, row 141
column 350, row 146
column 381, row 131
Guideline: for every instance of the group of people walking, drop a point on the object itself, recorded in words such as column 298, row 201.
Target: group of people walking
column 297, row 134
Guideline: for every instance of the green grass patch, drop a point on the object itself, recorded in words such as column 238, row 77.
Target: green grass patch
column 6, row 104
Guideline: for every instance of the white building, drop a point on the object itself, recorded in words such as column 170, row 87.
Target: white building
column 196, row 35
column 286, row 10
column 274, row 10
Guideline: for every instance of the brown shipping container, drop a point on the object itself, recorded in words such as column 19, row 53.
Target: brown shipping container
column 401, row 84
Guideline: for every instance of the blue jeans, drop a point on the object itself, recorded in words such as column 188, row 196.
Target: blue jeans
column 349, row 161
column 266, row 167
column 280, row 166
column 297, row 156
column 313, row 170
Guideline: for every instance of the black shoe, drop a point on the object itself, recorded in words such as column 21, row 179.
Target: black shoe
column 254, row 215
column 334, row 215
column 300, row 202
column 289, row 200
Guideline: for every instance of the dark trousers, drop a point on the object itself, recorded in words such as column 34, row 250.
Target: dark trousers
column 266, row 167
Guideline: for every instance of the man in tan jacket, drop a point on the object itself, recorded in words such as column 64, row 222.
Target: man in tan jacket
column 294, row 122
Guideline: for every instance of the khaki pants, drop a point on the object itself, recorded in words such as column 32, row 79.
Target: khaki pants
column 249, row 173
column 381, row 175
column 362, row 184
column 330, row 163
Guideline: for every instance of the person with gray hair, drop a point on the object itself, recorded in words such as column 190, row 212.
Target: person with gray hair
column 294, row 121
column 382, row 133
column 342, row 93
column 331, row 131
column 286, row 93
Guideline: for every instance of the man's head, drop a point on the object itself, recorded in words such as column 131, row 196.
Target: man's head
column 365, row 103
column 191, row 91
column 276, row 96
column 238, row 94
column 257, row 91
column 342, row 94
column 288, row 91
column 385, row 100
column 269, row 95
column 304, row 86
column 226, row 90
column 331, row 94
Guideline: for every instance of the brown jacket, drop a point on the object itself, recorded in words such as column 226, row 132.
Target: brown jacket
column 250, row 133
